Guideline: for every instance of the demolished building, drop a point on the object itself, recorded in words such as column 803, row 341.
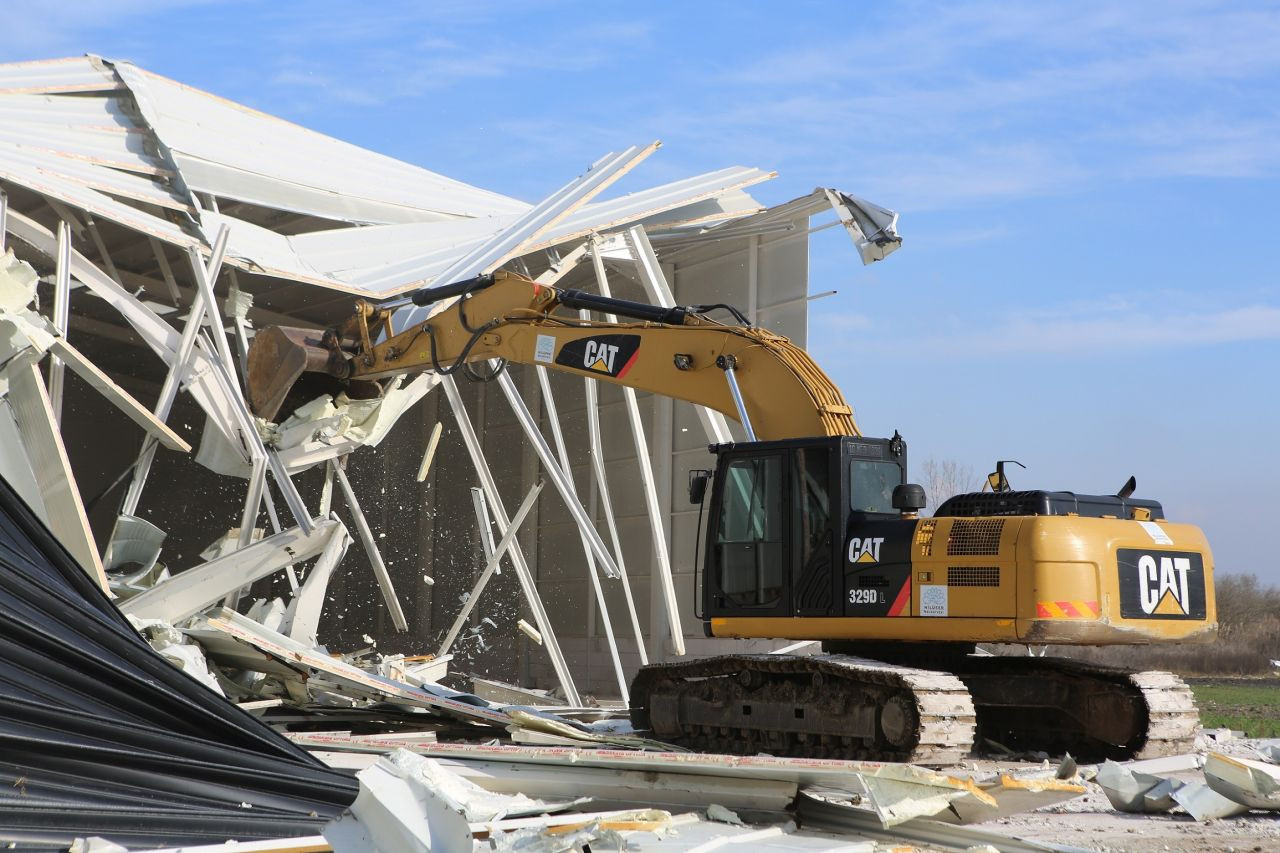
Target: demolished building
column 154, row 194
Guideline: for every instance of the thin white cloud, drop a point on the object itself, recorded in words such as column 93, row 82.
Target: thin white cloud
column 1084, row 330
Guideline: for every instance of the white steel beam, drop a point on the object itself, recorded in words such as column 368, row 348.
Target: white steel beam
column 166, row 272
column 371, row 548
column 493, row 557
column 591, row 393
column 42, row 441
column 659, row 291
column 303, row 614
column 523, row 573
column 490, row 254
column 61, row 316
column 657, row 525
column 553, row 416
column 606, row 502
column 120, row 398
column 173, row 379
column 559, row 477
column 187, row 593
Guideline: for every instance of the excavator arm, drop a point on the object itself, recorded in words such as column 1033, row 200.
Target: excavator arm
column 676, row 352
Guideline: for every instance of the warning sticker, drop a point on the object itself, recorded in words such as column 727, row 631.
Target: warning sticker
column 933, row 600
column 545, row 351
column 1156, row 532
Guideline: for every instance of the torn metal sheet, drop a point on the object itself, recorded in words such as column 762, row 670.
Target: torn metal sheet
column 1255, row 784
column 322, row 669
column 302, row 616
column 1203, row 803
column 1135, row 792
column 331, row 427
column 187, row 593
column 176, row 648
column 408, row 803
column 132, row 557
column 610, row 788
column 388, row 260
column 820, row 812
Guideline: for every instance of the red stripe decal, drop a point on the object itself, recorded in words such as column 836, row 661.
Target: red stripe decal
column 900, row 603
column 1093, row 605
column 630, row 361
column 1070, row 609
column 1043, row 612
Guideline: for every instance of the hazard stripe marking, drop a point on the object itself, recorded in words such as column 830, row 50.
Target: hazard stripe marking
column 1067, row 610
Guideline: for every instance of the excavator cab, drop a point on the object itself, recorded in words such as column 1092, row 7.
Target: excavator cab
column 783, row 513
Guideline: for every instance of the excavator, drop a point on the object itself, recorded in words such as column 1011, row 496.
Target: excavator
column 814, row 533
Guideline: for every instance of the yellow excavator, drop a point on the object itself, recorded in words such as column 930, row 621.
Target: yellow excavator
column 814, row 533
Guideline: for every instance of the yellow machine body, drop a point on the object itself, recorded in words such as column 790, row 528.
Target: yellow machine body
column 1031, row 579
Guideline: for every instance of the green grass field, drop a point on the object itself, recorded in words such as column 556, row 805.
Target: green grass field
column 1250, row 705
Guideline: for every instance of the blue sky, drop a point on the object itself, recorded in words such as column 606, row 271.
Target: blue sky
column 1090, row 280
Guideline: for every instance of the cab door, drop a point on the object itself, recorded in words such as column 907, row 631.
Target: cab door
column 747, row 554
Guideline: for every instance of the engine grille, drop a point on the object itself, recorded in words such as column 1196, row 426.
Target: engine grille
column 976, row 538
column 973, row 576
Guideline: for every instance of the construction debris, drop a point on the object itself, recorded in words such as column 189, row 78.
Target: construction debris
column 1251, row 783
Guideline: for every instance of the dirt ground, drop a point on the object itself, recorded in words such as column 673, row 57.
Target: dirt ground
column 1090, row 822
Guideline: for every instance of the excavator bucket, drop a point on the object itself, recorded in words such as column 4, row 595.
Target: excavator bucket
column 278, row 358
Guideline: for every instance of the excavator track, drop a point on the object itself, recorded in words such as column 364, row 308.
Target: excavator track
column 824, row 706
column 1059, row 705
column 840, row 706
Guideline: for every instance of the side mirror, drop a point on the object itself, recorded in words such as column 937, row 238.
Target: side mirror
column 698, row 479
column 908, row 497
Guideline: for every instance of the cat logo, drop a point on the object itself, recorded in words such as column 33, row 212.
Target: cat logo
column 599, row 356
column 865, row 550
column 611, row 355
column 1163, row 585
column 1159, row 584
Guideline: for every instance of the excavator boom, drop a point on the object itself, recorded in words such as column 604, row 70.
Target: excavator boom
column 675, row 352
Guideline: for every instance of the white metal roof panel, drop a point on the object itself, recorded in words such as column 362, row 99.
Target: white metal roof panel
column 77, row 194
column 386, row 260
column 625, row 209
column 230, row 150
column 83, row 171
column 74, row 74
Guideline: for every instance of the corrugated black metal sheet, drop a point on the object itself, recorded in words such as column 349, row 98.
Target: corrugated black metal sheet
column 99, row 735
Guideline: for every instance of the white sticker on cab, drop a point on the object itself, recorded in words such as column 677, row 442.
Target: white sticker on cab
column 545, row 351
column 933, row 600
column 1156, row 532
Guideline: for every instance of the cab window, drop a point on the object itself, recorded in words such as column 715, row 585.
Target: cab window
column 871, row 485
